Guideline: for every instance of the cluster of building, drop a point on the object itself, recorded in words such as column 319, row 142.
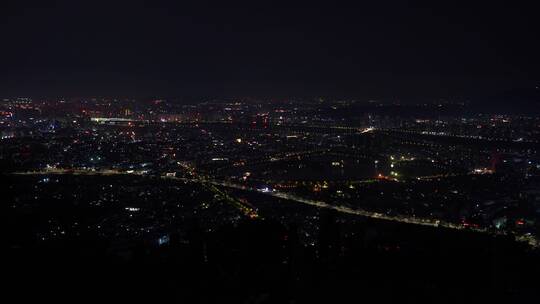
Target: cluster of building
column 479, row 171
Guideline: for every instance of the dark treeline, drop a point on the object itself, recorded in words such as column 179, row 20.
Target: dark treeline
column 261, row 261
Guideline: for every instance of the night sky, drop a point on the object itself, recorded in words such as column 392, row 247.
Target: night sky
column 376, row 49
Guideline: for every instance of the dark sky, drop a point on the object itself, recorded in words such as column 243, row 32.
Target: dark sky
column 372, row 49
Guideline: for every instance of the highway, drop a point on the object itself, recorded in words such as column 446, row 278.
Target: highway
column 531, row 240
column 344, row 209
column 252, row 213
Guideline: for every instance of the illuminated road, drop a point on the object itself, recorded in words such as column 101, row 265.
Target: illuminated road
column 531, row 240
column 348, row 210
column 278, row 194
column 449, row 135
column 251, row 212
column 245, row 209
column 61, row 171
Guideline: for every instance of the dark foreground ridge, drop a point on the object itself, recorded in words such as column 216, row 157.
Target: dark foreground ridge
column 261, row 261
